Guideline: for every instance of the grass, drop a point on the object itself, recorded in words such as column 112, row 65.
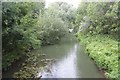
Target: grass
column 104, row 51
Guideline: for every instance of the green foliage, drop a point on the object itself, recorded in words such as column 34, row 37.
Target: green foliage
column 18, row 24
column 97, row 26
column 51, row 29
column 54, row 23
column 98, row 17
column 18, row 33
column 8, row 59
column 64, row 11
column 104, row 51
column 28, row 25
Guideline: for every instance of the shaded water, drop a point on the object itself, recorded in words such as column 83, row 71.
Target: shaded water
column 69, row 61
column 65, row 64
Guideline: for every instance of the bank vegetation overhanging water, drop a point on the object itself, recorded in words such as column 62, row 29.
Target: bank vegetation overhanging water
column 28, row 26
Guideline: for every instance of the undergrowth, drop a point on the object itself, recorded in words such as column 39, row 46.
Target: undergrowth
column 104, row 51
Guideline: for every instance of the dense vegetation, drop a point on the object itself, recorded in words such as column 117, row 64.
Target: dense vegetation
column 18, row 35
column 28, row 26
column 96, row 25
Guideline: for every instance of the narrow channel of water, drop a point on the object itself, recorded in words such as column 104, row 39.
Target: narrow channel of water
column 69, row 61
column 64, row 67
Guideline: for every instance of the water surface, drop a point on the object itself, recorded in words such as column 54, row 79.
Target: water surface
column 70, row 62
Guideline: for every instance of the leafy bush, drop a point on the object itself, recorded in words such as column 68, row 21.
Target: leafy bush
column 51, row 29
column 104, row 51
column 18, row 23
column 28, row 25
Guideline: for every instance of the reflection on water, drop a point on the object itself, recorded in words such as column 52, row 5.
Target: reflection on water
column 70, row 62
column 66, row 68
column 66, row 60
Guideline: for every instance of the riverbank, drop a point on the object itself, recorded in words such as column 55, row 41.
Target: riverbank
column 104, row 51
column 26, row 66
column 26, row 62
column 29, row 68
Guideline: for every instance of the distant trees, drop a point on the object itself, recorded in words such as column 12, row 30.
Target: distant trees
column 50, row 29
column 64, row 11
column 54, row 23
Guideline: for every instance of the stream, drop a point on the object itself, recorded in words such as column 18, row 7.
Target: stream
column 70, row 61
